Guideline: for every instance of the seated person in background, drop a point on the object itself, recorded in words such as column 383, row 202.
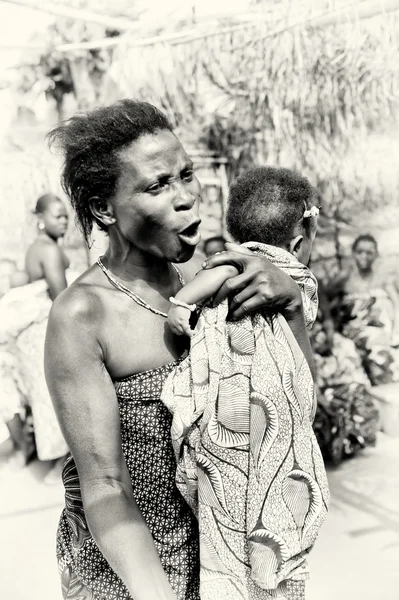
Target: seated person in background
column 45, row 258
column 22, row 339
column 213, row 245
column 369, row 311
column 243, row 405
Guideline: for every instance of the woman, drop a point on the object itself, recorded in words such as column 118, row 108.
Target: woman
column 45, row 258
column 125, row 531
column 370, row 311
column 25, row 311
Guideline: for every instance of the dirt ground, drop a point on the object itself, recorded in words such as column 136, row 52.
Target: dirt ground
column 356, row 556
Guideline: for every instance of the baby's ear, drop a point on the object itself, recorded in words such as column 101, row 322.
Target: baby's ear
column 296, row 244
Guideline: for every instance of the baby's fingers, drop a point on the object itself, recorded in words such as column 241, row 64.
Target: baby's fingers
column 180, row 328
column 187, row 329
column 176, row 327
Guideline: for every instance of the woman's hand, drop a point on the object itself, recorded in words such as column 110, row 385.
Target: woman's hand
column 260, row 284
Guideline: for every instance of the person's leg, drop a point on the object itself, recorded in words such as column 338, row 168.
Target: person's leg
column 22, row 443
column 16, row 430
column 14, row 457
column 54, row 475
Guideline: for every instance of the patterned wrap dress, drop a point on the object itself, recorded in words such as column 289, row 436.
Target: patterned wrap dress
column 147, row 447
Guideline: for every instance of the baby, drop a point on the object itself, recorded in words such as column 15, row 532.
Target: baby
column 267, row 205
column 243, row 404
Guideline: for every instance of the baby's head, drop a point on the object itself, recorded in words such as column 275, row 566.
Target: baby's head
column 273, row 206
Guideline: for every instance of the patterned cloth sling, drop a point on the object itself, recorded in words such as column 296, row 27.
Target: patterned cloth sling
column 248, row 462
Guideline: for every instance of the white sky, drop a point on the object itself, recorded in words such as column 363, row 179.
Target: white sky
column 18, row 24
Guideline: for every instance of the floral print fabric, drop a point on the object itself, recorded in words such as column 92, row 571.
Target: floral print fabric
column 347, row 417
column 248, row 462
column 370, row 320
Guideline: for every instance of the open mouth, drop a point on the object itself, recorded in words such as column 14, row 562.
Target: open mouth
column 191, row 235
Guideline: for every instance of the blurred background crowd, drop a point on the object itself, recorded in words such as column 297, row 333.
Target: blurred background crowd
column 310, row 85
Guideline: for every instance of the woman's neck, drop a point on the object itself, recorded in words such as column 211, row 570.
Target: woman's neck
column 360, row 281
column 43, row 235
column 366, row 275
column 130, row 264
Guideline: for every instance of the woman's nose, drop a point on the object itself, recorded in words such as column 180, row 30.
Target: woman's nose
column 184, row 199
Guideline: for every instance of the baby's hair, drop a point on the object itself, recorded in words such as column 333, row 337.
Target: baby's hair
column 267, row 203
column 44, row 202
column 365, row 237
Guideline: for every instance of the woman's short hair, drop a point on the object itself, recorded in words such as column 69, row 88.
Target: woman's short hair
column 44, row 202
column 365, row 237
column 90, row 142
column 266, row 203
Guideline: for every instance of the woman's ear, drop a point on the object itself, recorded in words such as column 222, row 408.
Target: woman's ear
column 295, row 245
column 102, row 210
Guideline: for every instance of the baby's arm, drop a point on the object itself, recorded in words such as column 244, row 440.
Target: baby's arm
column 204, row 285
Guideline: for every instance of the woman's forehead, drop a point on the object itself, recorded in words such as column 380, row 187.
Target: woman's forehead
column 365, row 245
column 154, row 153
column 57, row 208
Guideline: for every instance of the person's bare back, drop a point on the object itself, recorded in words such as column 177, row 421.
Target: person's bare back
column 38, row 254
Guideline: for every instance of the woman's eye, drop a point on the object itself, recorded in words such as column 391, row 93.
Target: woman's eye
column 157, row 186
column 188, row 175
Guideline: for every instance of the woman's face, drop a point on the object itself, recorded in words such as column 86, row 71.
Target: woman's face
column 55, row 220
column 157, row 199
column 365, row 254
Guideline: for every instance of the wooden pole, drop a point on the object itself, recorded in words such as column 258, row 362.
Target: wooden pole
column 359, row 10
column 120, row 24
column 340, row 15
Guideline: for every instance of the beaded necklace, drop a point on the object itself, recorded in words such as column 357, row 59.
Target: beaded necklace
column 131, row 294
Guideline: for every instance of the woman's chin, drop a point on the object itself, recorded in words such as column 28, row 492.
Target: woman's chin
column 184, row 254
column 364, row 267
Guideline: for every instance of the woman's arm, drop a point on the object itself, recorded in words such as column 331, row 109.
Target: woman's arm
column 54, row 270
column 262, row 285
column 86, row 405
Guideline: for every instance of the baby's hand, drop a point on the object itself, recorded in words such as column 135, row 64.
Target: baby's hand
column 179, row 320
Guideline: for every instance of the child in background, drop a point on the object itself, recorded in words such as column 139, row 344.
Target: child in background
column 243, row 404
column 214, row 245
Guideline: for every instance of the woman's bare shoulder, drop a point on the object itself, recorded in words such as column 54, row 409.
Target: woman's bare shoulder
column 43, row 246
column 82, row 302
